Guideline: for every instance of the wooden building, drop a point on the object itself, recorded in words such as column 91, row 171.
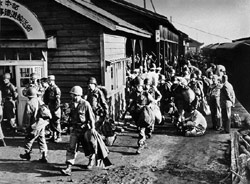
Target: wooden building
column 73, row 40
column 78, row 39
column 165, row 39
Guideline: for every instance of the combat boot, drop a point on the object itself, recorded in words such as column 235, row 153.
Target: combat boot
column 140, row 148
column 67, row 171
column 91, row 162
column 25, row 156
column 43, row 159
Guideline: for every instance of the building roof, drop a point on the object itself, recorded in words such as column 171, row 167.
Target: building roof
column 234, row 45
column 190, row 40
column 146, row 12
column 103, row 17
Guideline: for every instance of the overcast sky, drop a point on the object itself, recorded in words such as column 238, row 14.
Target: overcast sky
column 226, row 18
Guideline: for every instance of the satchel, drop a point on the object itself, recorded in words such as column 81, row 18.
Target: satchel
column 43, row 111
column 204, row 107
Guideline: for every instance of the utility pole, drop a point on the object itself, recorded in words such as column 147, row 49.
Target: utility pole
column 145, row 6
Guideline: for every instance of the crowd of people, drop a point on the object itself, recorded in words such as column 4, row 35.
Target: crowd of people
column 181, row 93
column 186, row 92
column 43, row 109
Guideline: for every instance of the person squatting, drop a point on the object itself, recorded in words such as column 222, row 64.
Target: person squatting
column 183, row 95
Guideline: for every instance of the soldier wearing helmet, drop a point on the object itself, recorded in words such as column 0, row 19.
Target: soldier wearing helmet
column 35, row 126
column 9, row 97
column 35, row 83
column 54, row 102
column 82, row 128
column 97, row 101
column 139, row 98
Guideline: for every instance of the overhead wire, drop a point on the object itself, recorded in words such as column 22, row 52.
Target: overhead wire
column 202, row 31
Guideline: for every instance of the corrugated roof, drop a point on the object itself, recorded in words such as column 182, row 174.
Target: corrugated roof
column 103, row 17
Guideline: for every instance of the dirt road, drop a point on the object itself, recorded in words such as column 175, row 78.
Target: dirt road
column 167, row 159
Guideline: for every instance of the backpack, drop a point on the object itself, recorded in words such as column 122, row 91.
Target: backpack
column 43, row 111
column 104, row 91
column 146, row 117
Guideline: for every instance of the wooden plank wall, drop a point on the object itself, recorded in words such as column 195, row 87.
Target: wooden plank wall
column 77, row 56
column 115, row 49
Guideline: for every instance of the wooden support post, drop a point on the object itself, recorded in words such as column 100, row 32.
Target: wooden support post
column 158, row 53
column 141, row 49
column 133, row 41
column 163, row 60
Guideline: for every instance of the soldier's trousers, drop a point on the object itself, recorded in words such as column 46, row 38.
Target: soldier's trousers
column 38, row 135
column 78, row 138
column 226, row 118
column 143, row 132
column 215, row 113
column 9, row 112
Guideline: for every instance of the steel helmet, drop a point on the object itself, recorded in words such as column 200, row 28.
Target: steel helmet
column 138, row 81
column 31, row 92
column 51, row 77
column 6, row 76
column 92, row 80
column 76, row 90
column 147, row 81
column 34, row 76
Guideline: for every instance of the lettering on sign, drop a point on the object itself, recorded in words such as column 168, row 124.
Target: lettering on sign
column 11, row 9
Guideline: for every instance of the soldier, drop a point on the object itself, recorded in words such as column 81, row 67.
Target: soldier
column 81, row 121
column 33, row 82
column 9, row 97
column 45, row 91
column 36, row 126
column 140, row 99
column 54, row 99
column 154, row 92
column 195, row 124
column 2, row 142
column 227, row 100
column 214, row 102
column 98, row 102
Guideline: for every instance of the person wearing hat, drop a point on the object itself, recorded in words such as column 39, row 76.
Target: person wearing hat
column 153, row 76
column 9, row 97
column 31, row 119
column 33, row 82
column 54, row 102
column 45, row 91
column 227, row 101
column 138, row 101
column 2, row 142
column 97, row 101
column 82, row 128
column 213, row 96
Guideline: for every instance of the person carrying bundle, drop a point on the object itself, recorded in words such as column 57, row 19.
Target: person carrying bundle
column 142, row 114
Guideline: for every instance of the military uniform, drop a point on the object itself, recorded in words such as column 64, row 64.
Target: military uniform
column 9, row 97
column 36, row 126
column 80, row 116
column 98, row 103
column 139, row 101
column 196, row 124
column 54, row 101
column 82, row 127
column 227, row 100
column 2, row 142
column 214, row 103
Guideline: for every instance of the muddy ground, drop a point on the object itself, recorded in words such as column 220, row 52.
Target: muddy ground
column 168, row 158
